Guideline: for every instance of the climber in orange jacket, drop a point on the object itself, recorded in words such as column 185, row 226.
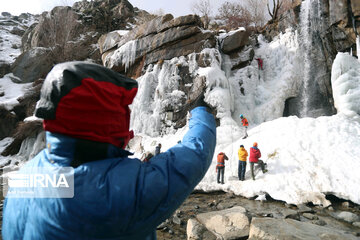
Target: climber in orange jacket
column 245, row 123
column 220, row 167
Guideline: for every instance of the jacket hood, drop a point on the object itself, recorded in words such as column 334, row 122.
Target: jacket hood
column 87, row 101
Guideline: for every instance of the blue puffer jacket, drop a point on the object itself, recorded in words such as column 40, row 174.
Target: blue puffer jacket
column 114, row 198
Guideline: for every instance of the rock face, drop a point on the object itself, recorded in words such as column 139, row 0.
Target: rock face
column 64, row 29
column 162, row 38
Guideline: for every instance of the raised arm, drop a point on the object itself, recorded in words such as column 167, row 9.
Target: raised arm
column 172, row 175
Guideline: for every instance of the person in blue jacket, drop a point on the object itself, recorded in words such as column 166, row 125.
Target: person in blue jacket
column 86, row 119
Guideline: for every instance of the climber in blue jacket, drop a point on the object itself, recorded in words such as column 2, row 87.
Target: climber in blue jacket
column 86, row 119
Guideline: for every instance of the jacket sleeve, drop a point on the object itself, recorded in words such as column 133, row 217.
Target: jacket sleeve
column 168, row 179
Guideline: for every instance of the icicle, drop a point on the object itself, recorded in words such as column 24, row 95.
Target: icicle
column 358, row 46
column 125, row 55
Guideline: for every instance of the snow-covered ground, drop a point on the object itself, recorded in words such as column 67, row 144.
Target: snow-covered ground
column 11, row 91
column 10, row 43
column 307, row 158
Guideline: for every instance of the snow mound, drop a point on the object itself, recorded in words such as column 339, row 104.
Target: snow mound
column 307, row 158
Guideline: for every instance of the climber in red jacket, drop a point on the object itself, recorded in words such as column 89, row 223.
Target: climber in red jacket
column 260, row 63
column 255, row 154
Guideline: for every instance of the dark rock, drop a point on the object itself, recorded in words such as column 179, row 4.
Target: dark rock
column 243, row 58
column 17, row 31
column 6, row 14
column 5, row 68
column 34, row 64
column 27, row 103
column 319, row 222
column 8, row 122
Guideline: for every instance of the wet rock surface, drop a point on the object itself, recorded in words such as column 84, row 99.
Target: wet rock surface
column 205, row 216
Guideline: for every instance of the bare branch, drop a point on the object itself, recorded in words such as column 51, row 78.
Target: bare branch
column 270, row 13
column 203, row 8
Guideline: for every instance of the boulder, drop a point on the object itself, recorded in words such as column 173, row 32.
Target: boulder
column 356, row 224
column 231, row 223
column 347, row 216
column 196, row 231
column 234, row 40
column 270, row 228
column 33, row 64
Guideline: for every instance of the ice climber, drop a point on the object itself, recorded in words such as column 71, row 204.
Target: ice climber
column 245, row 124
column 220, row 167
column 260, row 63
column 255, row 154
column 242, row 153
column 86, row 119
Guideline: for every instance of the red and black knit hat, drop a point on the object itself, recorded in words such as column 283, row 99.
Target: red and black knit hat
column 87, row 101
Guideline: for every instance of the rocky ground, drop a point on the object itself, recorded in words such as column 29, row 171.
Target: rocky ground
column 175, row 227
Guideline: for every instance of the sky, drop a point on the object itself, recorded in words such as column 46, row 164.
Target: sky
column 177, row 8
